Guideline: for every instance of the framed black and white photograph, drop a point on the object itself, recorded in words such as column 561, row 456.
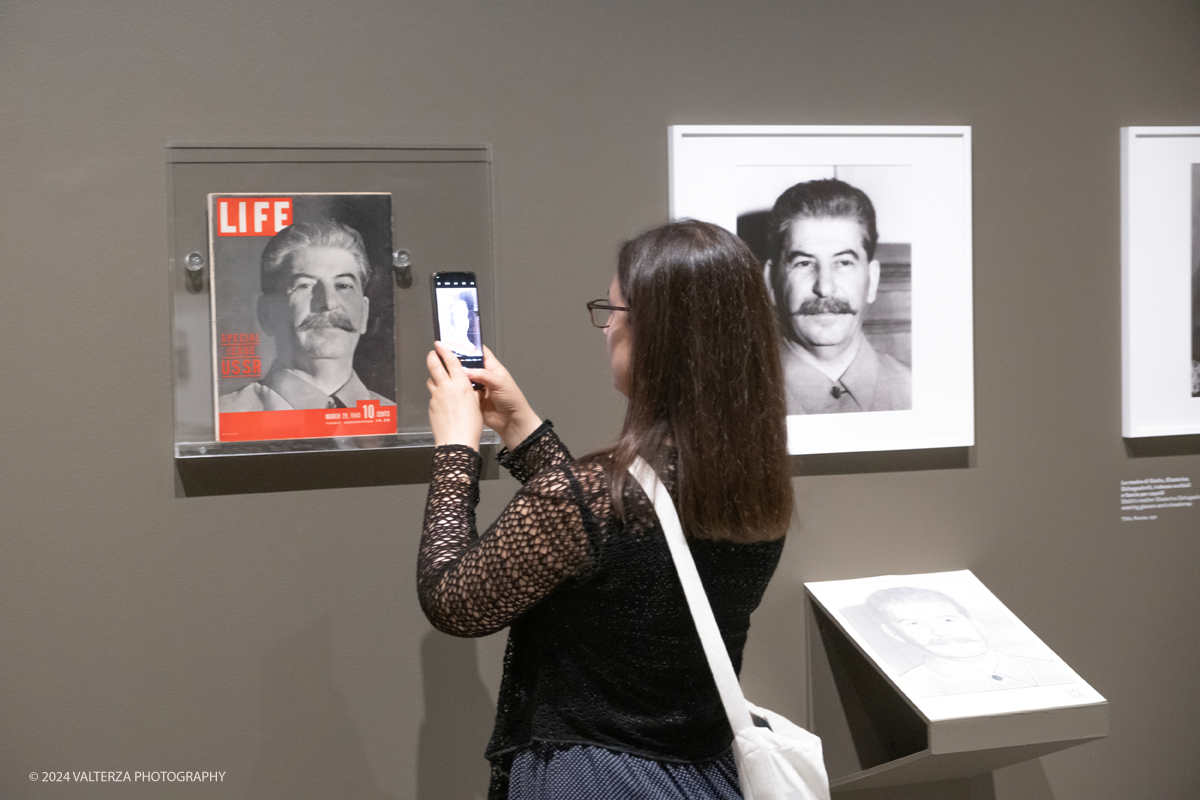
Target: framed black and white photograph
column 864, row 233
column 1160, row 281
column 950, row 646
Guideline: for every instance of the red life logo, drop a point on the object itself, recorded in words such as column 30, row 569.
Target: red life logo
column 253, row 216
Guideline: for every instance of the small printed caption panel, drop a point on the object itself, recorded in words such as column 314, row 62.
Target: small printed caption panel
column 1143, row 498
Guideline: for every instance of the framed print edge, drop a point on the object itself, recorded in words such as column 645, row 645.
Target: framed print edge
column 1158, row 191
column 1127, row 416
column 671, row 134
column 685, row 131
column 968, row 332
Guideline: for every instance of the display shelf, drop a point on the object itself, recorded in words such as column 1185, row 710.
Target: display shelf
column 328, row 444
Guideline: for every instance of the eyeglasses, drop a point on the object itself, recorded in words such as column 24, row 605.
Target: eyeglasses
column 602, row 312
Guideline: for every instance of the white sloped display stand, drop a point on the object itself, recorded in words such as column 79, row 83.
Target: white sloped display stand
column 925, row 678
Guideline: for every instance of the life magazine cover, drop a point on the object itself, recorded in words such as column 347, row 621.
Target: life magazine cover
column 303, row 327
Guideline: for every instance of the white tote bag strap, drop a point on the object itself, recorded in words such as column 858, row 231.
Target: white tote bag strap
column 706, row 624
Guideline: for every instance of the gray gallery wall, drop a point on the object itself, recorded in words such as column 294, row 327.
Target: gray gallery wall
column 276, row 636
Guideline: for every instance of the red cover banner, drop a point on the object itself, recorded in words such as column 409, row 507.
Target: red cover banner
column 368, row 418
column 252, row 216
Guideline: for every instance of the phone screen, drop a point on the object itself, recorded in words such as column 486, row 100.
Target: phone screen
column 456, row 315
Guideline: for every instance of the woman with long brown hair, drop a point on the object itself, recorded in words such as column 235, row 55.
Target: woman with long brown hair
column 606, row 691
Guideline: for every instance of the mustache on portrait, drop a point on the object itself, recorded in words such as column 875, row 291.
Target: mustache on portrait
column 943, row 640
column 825, row 305
column 327, row 319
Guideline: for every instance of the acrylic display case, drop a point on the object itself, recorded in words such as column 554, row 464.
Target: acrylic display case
column 440, row 203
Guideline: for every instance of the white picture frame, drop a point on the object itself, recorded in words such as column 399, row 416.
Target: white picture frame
column 726, row 173
column 1160, row 216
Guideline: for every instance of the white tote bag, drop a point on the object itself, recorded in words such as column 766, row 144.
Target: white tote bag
column 780, row 762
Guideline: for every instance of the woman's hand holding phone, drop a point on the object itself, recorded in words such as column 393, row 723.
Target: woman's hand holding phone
column 454, row 413
column 504, row 407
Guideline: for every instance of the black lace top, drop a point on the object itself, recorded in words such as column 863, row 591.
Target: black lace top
column 602, row 649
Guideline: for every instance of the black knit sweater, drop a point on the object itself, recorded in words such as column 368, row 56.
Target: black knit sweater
column 602, row 649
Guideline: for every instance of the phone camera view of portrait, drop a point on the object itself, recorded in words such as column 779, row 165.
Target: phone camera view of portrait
column 304, row 338
column 456, row 315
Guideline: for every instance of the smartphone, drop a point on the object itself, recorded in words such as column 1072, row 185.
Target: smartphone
column 456, row 316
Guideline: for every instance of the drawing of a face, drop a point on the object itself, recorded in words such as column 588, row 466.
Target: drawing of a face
column 938, row 628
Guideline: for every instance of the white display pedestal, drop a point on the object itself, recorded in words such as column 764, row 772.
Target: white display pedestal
column 877, row 735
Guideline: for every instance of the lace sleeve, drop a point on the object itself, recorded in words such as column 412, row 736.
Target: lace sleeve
column 540, row 450
column 473, row 586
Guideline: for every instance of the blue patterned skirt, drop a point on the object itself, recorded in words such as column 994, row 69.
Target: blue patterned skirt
column 584, row 772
